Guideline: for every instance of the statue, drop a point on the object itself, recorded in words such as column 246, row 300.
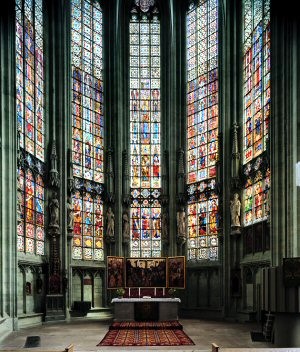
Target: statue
column 164, row 227
column 125, row 221
column 70, row 215
column 64, row 280
column 54, row 211
column 181, row 235
column 39, row 284
column 54, row 283
column 110, row 223
column 235, row 209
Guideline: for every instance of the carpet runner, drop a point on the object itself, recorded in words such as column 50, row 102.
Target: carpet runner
column 167, row 333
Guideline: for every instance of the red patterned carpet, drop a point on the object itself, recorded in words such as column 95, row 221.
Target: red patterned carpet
column 168, row 333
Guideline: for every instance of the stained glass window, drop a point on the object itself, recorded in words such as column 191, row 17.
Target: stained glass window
column 202, row 129
column 30, row 214
column 87, row 116
column 256, row 202
column 256, row 107
column 30, row 124
column 88, row 227
column 145, row 134
column 256, row 77
column 30, row 76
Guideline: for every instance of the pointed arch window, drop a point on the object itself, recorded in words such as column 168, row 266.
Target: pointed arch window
column 87, row 128
column 256, row 109
column 30, row 111
column 202, row 129
column 145, row 135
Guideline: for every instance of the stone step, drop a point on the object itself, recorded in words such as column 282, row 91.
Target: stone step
column 94, row 313
column 99, row 312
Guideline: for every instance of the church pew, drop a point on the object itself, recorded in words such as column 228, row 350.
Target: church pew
column 216, row 348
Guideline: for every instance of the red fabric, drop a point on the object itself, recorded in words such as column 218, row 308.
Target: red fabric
column 146, row 334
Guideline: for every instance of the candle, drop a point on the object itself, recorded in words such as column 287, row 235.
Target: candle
column 139, row 292
column 129, row 292
column 154, row 291
column 163, row 291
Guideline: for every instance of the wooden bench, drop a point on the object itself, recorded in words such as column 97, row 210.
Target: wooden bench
column 216, row 348
column 69, row 348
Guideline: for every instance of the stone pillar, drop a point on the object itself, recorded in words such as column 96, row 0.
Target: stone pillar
column 8, row 171
column 284, row 151
column 284, row 130
column 172, row 107
column 230, row 108
column 58, row 80
column 116, row 115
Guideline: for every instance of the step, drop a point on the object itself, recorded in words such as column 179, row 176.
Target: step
column 94, row 313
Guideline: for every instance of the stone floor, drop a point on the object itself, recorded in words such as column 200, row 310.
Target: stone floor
column 85, row 334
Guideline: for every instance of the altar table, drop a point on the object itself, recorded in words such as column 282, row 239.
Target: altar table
column 145, row 309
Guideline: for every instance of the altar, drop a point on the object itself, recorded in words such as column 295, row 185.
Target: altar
column 145, row 309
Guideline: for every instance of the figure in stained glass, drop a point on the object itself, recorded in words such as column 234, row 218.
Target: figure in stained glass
column 156, row 165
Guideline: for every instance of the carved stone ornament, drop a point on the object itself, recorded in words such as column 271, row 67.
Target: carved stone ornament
column 54, row 178
column 144, row 4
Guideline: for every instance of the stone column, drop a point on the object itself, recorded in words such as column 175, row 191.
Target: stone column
column 230, row 112
column 58, row 88
column 284, row 150
column 8, row 171
column 116, row 115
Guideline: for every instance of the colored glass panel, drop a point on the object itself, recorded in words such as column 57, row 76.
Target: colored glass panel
column 257, row 198
column 202, row 128
column 256, row 115
column 256, row 77
column 30, row 124
column 30, row 77
column 87, row 89
column 88, row 227
column 87, row 125
column 145, row 135
column 30, row 213
column 203, row 228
